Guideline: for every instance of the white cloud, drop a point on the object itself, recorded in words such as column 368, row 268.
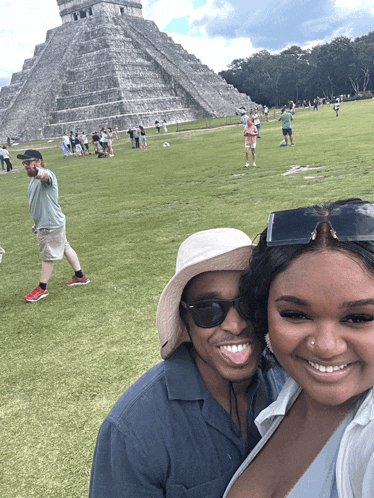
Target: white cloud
column 347, row 7
column 21, row 29
column 216, row 53
column 164, row 11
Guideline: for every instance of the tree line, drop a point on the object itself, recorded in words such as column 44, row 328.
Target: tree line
column 342, row 66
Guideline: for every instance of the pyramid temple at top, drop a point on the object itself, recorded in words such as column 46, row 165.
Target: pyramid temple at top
column 108, row 66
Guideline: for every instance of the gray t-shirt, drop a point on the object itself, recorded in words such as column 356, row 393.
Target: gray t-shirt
column 43, row 201
column 286, row 119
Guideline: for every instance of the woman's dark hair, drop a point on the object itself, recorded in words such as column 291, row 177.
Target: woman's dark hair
column 268, row 262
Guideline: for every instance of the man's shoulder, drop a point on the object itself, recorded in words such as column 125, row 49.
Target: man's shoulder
column 141, row 396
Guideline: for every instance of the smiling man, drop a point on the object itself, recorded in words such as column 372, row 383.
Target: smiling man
column 186, row 425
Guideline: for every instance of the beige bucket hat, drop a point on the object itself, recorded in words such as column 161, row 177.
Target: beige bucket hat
column 209, row 250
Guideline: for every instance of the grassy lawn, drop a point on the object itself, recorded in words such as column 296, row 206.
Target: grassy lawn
column 67, row 358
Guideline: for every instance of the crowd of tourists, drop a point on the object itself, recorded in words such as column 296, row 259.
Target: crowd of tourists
column 75, row 144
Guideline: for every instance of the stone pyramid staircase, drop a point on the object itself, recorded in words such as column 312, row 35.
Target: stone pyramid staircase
column 110, row 71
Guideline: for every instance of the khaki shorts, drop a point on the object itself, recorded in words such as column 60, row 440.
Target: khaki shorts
column 52, row 243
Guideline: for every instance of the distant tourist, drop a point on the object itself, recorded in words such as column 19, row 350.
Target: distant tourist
column 164, row 125
column 286, row 118
column 130, row 132
column 85, row 143
column 104, row 141
column 257, row 122
column 244, row 119
column 110, row 142
column 96, row 142
column 72, row 141
column 266, row 111
column 337, row 107
column 143, row 138
column 65, row 149
column 117, row 133
column 78, row 147
column 7, row 157
column 157, row 125
column 315, row 102
column 66, row 139
column 49, row 224
column 2, row 158
column 136, row 136
column 251, row 134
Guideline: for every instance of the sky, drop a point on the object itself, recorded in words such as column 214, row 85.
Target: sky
column 216, row 31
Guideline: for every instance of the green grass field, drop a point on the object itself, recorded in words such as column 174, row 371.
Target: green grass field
column 66, row 359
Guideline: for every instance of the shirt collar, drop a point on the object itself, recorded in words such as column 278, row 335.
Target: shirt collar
column 365, row 412
column 279, row 407
column 291, row 390
column 183, row 380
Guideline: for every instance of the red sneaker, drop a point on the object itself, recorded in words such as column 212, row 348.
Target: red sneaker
column 36, row 294
column 78, row 281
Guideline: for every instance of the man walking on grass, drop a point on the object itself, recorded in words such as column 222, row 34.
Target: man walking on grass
column 286, row 118
column 49, row 223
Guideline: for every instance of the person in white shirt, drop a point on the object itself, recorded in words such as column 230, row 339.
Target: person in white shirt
column 309, row 290
column 2, row 158
column 7, row 157
column 257, row 122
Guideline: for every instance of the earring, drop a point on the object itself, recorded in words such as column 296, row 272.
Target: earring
column 267, row 340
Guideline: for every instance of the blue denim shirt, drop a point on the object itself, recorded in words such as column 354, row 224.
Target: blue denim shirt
column 167, row 436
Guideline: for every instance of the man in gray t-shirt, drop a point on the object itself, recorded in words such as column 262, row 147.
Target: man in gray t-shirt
column 286, row 118
column 49, row 224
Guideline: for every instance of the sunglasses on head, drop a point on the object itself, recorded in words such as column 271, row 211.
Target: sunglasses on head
column 349, row 222
column 212, row 312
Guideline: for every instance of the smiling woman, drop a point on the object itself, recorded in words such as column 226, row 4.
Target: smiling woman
column 314, row 300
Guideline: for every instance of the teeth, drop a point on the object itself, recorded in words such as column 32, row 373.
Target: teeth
column 330, row 368
column 235, row 349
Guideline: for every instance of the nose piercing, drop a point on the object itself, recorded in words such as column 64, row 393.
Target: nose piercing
column 312, row 343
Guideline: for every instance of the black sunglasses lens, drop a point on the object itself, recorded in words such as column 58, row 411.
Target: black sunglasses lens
column 243, row 308
column 353, row 221
column 292, row 227
column 208, row 314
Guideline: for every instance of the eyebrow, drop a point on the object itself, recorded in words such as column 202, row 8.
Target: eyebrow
column 292, row 299
column 348, row 304
column 206, row 296
column 356, row 304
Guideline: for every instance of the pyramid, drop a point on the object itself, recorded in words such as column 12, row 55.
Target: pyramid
column 108, row 66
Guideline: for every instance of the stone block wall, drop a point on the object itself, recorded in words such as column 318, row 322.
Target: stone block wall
column 110, row 70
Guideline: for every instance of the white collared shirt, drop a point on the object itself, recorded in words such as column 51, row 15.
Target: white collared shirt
column 355, row 463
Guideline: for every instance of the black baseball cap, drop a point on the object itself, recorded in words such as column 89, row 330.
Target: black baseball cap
column 30, row 154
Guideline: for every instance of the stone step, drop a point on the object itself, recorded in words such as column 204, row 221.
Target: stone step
column 119, row 107
column 123, row 122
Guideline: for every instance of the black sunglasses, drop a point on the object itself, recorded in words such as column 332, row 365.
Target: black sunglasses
column 212, row 312
column 350, row 222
